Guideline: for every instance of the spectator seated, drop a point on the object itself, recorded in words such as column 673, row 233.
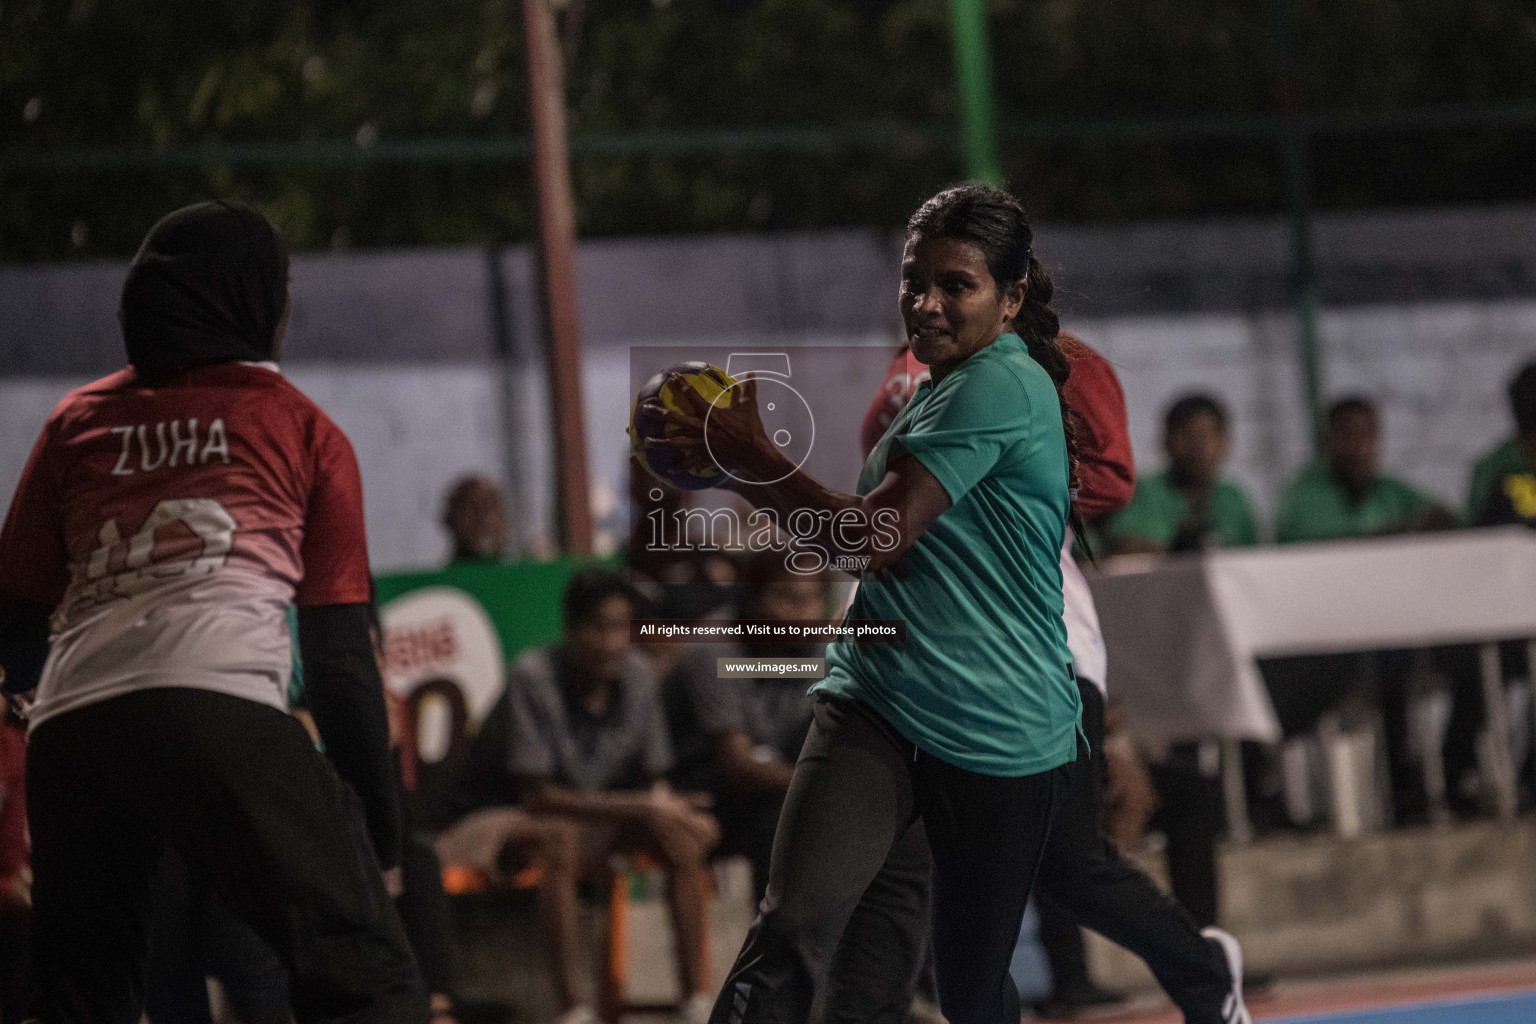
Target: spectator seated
column 737, row 737
column 564, row 777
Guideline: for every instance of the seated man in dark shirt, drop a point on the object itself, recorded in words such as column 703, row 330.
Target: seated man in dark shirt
column 568, row 770
column 476, row 519
column 737, row 737
column 1341, row 496
column 1502, row 492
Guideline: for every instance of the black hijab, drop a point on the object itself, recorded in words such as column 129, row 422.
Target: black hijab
column 208, row 285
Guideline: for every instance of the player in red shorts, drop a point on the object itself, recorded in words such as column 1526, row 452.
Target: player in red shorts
column 168, row 516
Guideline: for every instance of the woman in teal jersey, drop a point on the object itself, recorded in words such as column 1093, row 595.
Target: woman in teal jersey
column 971, row 723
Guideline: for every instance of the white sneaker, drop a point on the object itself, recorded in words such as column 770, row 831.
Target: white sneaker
column 579, row 1015
column 696, row 1009
column 1232, row 1009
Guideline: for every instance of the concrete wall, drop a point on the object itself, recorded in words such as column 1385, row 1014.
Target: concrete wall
column 1300, row 907
column 1438, row 371
column 1324, row 905
column 431, row 360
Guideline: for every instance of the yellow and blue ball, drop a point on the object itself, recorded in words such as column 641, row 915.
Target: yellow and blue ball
column 710, row 383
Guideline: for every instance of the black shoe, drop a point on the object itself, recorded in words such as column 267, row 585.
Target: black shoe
column 1069, row 1001
column 1232, row 1009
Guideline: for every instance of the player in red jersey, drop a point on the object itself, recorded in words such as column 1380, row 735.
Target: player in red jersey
column 168, row 516
column 15, row 872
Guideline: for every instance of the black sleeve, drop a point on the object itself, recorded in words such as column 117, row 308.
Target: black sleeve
column 23, row 641
column 346, row 698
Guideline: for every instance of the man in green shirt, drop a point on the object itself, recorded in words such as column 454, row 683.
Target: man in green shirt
column 1346, row 494
column 1504, row 459
column 1188, row 507
column 1502, row 491
column 1496, row 493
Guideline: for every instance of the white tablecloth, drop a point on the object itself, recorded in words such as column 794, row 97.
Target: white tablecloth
column 1183, row 631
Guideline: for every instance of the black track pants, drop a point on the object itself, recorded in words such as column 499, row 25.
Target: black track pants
column 858, row 789
column 1083, row 878
column 257, row 815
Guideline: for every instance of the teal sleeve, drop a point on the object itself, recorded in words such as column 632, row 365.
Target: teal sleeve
column 968, row 424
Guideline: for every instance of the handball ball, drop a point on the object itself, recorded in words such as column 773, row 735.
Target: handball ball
column 711, row 384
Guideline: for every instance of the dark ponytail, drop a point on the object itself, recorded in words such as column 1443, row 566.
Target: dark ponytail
column 994, row 222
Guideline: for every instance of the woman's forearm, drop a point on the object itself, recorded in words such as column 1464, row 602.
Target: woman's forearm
column 791, row 490
column 805, row 507
column 878, row 526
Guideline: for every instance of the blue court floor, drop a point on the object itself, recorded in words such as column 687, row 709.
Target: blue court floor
column 1519, row 1008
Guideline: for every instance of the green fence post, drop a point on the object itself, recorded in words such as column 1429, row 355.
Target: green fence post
column 973, row 77
column 1298, row 187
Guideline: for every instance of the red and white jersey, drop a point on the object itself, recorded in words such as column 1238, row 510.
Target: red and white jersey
column 172, row 526
column 901, row 380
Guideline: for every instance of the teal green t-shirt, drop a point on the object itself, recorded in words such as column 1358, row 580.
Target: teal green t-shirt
column 1314, row 507
column 1505, row 459
column 1158, row 509
column 982, row 680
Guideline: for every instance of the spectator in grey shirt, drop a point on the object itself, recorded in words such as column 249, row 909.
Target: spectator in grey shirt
column 737, row 738
column 582, row 743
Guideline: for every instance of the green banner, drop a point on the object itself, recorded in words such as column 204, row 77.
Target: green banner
column 521, row 599
column 450, row 634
